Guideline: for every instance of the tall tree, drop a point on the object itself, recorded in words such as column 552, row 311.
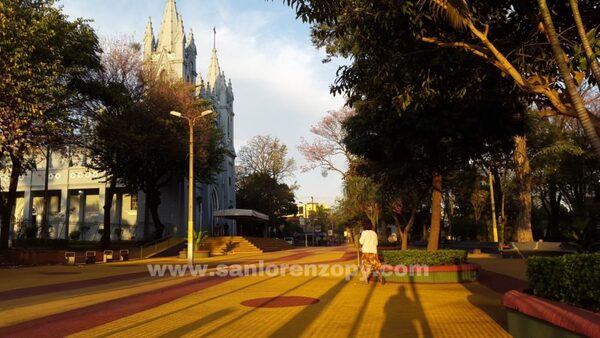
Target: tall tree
column 512, row 36
column 43, row 56
column 158, row 157
column 112, row 92
column 265, row 154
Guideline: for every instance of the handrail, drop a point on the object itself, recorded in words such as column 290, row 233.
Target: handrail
column 155, row 244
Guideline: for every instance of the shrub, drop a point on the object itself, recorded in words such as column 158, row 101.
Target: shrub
column 572, row 279
column 74, row 235
column 423, row 257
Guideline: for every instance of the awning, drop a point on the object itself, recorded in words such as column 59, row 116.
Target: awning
column 241, row 215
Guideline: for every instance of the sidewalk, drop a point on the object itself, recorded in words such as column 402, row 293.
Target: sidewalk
column 212, row 306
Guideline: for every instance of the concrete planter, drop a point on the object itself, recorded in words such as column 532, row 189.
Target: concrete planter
column 531, row 316
column 432, row 274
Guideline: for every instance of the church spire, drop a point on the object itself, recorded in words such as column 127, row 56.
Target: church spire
column 171, row 28
column 148, row 40
column 214, row 71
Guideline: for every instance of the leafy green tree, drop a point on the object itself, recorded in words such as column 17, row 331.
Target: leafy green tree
column 511, row 36
column 43, row 57
column 158, row 157
column 262, row 192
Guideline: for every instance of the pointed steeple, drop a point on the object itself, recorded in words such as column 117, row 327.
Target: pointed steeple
column 171, row 28
column 213, row 68
column 148, row 40
column 191, row 38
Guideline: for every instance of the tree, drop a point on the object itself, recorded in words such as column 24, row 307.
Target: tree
column 112, row 92
column 158, row 157
column 362, row 194
column 262, row 192
column 520, row 51
column 43, row 56
column 322, row 152
column 265, row 154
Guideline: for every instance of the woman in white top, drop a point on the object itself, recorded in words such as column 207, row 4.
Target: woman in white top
column 370, row 259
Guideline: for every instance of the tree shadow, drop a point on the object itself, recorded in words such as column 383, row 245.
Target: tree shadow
column 361, row 313
column 297, row 325
column 252, row 311
column 148, row 320
column 405, row 317
column 180, row 331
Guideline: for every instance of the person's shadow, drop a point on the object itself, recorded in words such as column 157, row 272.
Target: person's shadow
column 405, row 317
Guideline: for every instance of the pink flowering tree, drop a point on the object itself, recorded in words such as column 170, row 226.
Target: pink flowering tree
column 326, row 150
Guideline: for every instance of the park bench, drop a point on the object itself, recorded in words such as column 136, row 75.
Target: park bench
column 70, row 257
column 124, row 254
column 107, row 256
column 90, row 257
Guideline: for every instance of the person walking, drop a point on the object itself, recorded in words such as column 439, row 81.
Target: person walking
column 370, row 259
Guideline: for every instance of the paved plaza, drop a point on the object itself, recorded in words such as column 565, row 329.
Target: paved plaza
column 122, row 299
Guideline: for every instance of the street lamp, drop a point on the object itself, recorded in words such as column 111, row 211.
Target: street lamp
column 191, row 122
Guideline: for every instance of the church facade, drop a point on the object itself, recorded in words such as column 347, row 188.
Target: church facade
column 173, row 53
column 76, row 193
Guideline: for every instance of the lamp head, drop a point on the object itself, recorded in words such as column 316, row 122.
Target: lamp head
column 175, row 113
column 206, row 113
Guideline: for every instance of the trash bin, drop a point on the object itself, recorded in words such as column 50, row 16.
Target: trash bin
column 90, row 257
column 108, row 256
column 70, row 257
column 124, row 255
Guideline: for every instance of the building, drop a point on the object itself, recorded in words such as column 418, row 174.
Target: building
column 76, row 194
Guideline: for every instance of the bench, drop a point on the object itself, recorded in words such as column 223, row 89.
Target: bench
column 90, row 257
column 70, row 257
column 107, row 256
column 124, row 255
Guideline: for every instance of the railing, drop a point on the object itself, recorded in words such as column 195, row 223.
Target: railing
column 158, row 245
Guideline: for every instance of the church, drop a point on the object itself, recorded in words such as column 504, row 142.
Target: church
column 76, row 194
column 174, row 53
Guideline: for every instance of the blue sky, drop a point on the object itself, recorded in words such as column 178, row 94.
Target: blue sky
column 281, row 87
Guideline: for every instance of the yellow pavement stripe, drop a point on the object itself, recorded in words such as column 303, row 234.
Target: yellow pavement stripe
column 345, row 309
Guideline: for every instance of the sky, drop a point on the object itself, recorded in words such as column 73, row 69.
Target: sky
column 281, row 87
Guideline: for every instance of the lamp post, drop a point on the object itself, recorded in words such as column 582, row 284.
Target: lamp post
column 190, row 240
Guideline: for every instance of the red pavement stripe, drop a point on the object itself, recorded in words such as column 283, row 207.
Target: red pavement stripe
column 499, row 282
column 73, row 321
column 44, row 289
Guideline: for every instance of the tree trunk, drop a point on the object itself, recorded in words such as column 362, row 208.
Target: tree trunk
column 493, row 205
column 574, row 96
column 523, row 180
column 554, row 199
column 154, row 202
column 589, row 52
column 8, row 205
column 436, row 212
column 108, row 200
column 408, row 228
column 45, row 230
column 503, row 220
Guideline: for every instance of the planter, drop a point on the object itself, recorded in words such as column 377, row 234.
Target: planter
column 431, row 274
column 531, row 316
column 197, row 253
